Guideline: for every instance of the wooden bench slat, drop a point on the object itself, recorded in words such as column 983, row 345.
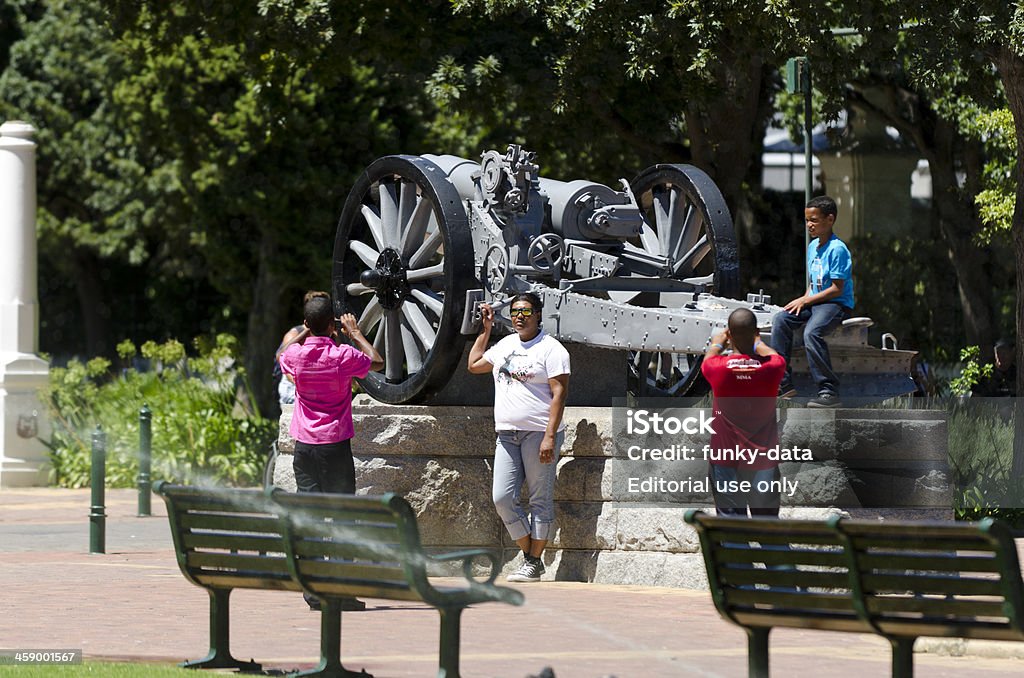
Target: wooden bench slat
column 783, row 578
column 233, row 501
column 311, row 502
column 950, row 629
column 821, row 558
column 952, row 562
column 916, row 542
column 719, row 538
column 963, row 532
column 924, row 583
column 346, row 550
column 378, row 515
column 349, row 550
column 810, row 619
column 339, row 571
column 230, row 522
column 239, row 562
column 783, row 526
column 375, row 590
column 802, row 600
column 884, row 605
column 231, row 540
column 246, row 581
column 350, row 532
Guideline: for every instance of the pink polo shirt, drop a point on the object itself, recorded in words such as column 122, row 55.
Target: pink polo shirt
column 323, row 388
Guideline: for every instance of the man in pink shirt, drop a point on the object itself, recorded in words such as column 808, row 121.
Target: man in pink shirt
column 322, row 420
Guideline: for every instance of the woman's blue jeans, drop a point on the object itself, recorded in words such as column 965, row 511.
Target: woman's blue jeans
column 517, row 458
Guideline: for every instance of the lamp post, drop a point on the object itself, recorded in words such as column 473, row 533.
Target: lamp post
column 798, row 79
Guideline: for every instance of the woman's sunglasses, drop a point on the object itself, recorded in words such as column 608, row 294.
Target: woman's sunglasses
column 524, row 312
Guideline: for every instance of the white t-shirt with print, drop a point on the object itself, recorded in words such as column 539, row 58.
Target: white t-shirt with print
column 522, row 396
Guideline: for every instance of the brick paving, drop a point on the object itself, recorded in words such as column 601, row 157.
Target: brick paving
column 132, row 604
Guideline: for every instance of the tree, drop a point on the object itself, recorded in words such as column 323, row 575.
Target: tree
column 98, row 198
column 985, row 35
column 270, row 113
column 686, row 81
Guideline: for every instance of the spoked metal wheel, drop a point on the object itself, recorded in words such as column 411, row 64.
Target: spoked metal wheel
column 403, row 260
column 689, row 224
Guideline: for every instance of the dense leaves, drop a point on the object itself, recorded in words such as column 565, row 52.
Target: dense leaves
column 194, row 154
column 201, row 431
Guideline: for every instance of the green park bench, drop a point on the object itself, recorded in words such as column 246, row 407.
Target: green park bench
column 899, row 580
column 331, row 546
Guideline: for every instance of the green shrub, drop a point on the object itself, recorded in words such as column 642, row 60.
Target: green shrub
column 204, row 430
column 972, row 373
column 981, row 459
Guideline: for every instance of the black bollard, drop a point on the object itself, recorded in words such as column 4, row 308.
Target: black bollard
column 145, row 458
column 98, row 477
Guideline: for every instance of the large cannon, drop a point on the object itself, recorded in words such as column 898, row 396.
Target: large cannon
column 651, row 270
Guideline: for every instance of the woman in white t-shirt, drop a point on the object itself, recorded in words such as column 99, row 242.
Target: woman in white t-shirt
column 531, row 380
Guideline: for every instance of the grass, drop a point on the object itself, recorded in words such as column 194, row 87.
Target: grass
column 106, row 669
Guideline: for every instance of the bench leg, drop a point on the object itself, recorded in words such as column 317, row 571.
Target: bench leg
column 220, row 652
column 757, row 652
column 330, row 645
column 448, row 663
column 902, row 657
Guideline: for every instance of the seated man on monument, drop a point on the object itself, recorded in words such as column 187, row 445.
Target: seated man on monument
column 827, row 302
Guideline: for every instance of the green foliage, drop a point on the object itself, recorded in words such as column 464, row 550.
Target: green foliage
column 202, row 430
column 973, row 372
column 915, row 270
column 997, row 201
column 981, row 453
column 96, row 193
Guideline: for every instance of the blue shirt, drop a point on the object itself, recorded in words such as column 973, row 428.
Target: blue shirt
column 831, row 262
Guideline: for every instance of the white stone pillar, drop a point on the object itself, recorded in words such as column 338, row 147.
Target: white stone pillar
column 23, row 458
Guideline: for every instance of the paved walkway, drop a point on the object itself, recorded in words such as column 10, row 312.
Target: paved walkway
column 132, row 604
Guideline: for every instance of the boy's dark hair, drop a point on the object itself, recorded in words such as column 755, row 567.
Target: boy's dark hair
column 312, row 294
column 534, row 300
column 825, row 204
column 318, row 315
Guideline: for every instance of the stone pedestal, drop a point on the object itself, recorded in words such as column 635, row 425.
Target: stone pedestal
column 23, row 459
column 439, row 459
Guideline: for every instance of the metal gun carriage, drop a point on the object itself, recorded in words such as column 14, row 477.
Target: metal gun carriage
column 651, row 270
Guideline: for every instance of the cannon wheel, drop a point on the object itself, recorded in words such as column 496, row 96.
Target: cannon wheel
column 688, row 222
column 403, row 261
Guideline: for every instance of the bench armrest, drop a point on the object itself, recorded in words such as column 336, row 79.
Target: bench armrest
column 467, row 557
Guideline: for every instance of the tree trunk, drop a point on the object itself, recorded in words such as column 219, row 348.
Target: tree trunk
column 727, row 131
column 264, row 329
column 85, row 271
column 1011, row 71
column 969, row 262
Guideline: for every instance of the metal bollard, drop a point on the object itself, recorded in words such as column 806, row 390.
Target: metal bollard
column 98, row 477
column 145, row 458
